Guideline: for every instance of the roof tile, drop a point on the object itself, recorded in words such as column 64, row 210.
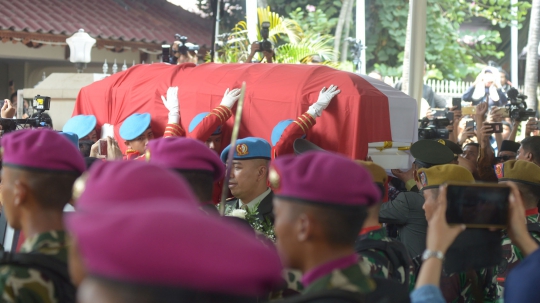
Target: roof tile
column 137, row 20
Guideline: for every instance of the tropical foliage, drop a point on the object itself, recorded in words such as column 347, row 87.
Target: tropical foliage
column 291, row 43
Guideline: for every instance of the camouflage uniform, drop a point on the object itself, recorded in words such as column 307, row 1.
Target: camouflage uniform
column 459, row 287
column 23, row 284
column 379, row 267
column 512, row 255
column 351, row 279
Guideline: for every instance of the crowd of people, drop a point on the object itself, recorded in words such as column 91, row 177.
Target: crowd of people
column 299, row 225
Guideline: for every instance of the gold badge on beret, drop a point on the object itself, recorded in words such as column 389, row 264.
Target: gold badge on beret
column 242, row 149
column 79, row 186
column 274, row 179
column 441, row 141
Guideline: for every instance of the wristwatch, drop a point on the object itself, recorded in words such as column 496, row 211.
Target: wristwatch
column 432, row 254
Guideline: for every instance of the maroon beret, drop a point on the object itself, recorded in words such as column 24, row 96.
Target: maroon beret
column 323, row 177
column 109, row 184
column 185, row 154
column 155, row 244
column 42, row 150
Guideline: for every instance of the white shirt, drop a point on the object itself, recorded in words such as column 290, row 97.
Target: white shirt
column 251, row 205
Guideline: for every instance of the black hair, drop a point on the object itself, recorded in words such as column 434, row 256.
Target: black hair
column 530, row 194
column 124, row 292
column 85, row 147
column 52, row 190
column 341, row 223
column 532, row 145
column 200, row 181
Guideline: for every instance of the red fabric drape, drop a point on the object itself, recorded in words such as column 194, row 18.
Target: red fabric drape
column 275, row 92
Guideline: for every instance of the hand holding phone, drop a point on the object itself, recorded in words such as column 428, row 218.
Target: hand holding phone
column 456, row 102
column 496, row 128
column 478, row 205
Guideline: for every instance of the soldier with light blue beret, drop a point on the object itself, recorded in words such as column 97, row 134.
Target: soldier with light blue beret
column 249, row 177
column 286, row 131
column 84, row 126
column 136, row 132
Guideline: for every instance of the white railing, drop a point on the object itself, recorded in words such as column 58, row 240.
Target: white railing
column 448, row 89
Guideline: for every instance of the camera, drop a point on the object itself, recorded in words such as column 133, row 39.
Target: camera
column 517, row 107
column 42, row 103
column 168, row 53
column 38, row 119
column 434, row 128
column 265, row 45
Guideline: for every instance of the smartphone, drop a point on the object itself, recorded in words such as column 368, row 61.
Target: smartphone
column 470, row 124
column 102, row 148
column 468, row 110
column 456, row 102
column 503, row 112
column 496, row 127
column 478, row 205
column 165, row 53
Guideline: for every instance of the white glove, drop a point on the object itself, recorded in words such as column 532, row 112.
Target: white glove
column 171, row 103
column 325, row 96
column 107, row 130
column 230, row 97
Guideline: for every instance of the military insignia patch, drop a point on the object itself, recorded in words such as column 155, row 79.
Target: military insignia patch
column 423, row 179
column 242, row 149
column 441, row 141
column 499, row 170
column 274, row 179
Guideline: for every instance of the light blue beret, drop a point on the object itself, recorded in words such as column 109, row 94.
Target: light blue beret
column 81, row 125
column 134, row 126
column 249, row 148
column 72, row 137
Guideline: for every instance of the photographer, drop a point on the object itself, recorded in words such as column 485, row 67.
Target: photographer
column 267, row 54
column 184, row 56
column 486, row 89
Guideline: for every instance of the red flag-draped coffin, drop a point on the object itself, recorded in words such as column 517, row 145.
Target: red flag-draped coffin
column 358, row 115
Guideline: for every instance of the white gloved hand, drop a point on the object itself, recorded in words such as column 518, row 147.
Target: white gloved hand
column 107, row 130
column 325, row 96
column 230, row 97
column 171, row 103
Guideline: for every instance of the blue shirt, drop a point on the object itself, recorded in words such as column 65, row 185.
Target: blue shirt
column 427, row 294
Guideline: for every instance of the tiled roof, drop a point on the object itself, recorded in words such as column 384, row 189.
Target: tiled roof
column 149, row 21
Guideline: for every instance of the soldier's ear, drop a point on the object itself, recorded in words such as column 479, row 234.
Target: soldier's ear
column 127, row 144
column 20, row 192
column 304, row 227
column 415, row 176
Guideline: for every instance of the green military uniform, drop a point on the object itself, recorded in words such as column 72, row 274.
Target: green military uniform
column 27, row 285
column 512, row 255
column 460, row 287
column 377, row 261
column 350, row 279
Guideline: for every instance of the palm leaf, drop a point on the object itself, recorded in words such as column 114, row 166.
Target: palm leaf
column 306, row 48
